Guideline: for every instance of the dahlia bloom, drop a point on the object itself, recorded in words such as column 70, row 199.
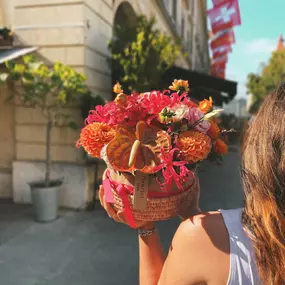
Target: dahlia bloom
column 94, row 137
column 214, row 130
column 180, row 85
column 194, row 146
column 220, row 147
column 206, row 105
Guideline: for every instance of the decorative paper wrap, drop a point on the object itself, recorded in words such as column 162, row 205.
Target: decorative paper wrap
column 159, row 205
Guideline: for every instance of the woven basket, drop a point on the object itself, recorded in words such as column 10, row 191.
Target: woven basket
column 157, row 209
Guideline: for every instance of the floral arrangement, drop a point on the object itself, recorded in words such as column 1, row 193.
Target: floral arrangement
column 154, row 132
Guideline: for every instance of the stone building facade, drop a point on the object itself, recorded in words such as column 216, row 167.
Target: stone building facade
column 76, row 32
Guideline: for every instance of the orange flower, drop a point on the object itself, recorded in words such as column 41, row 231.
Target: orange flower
column 194, row 145
column 220, row 147
column 93, row 137
column 214, row 130
column 121, row 99
column 206, row 105
column 180, row 85
column 118, row 88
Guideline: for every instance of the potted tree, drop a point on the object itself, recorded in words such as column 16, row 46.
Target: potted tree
column 6, row 37
column 50, row 89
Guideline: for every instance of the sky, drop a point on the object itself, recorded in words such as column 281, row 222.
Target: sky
column 262, row 23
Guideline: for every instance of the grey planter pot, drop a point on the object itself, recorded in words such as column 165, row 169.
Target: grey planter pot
column 45, row 200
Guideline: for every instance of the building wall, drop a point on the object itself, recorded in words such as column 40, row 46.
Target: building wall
column 238, row 107
column 7, row 143
column 76, row 33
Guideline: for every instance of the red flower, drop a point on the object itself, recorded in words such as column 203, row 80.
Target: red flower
column 169, row 173
column 155, row 101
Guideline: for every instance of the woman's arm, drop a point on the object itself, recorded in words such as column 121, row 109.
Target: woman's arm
column 151, row 254
column 151, row 257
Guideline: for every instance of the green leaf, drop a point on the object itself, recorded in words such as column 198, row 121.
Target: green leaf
column 4, row 77
column 62, row 96
column 30, row 58
column 73, row 125
column 10, row 64
column 28, row 76
column 19, row 68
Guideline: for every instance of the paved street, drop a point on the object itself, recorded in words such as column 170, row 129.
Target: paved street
column 88, row 248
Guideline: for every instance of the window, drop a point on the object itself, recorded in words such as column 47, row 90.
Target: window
column 192, row 5
column 167, row 4
column 189, row 41
column 183, row 26
column 174, row 10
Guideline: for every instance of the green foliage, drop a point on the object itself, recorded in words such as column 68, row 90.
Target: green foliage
column 5, row 33
column 88, row 102
column 48, row 88
column 141, row 54
column 272, row 75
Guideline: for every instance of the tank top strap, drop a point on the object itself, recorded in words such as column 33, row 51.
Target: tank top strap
column 242, row 260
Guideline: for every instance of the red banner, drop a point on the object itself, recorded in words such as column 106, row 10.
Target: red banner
column 224, row 38
column 218, row 66
column 227, row 12
column 218, row 73
column 218, row 3
column 221, row 59
column 219, row 54
column 215, row 69
column 222, row 49
column 221, row 74
column 221, row 26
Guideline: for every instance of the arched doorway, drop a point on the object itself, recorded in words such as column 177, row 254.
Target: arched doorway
column 125, row 16
column 124, row 31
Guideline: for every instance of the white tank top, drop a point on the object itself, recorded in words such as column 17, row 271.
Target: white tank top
column 242, row 259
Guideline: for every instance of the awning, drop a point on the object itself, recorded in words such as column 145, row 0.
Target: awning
column 15, row 52
column 203, row 85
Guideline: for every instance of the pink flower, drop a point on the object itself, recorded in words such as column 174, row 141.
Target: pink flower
column 193, row 116
column 98, row 115
column 115, row 114
column 169, row 173
column 177, row 99
column 154, row 101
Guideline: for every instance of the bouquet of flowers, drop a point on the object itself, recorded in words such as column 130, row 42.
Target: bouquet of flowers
column 151, row 143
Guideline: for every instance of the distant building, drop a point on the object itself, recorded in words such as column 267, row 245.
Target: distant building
column 238, row 107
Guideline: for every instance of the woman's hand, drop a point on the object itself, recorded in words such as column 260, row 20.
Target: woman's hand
column 193, row 208
column 120, row 216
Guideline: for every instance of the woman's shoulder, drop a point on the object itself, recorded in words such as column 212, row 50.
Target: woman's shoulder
column 204, row 238
column 203, row 232
column 203, row 222
column 213, row 222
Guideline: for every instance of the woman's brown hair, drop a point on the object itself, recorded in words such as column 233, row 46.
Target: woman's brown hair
column 263, row 175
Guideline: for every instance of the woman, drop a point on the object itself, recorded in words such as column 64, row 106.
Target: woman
column 241, row 246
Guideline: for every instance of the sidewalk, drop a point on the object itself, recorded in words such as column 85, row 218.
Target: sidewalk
column 88, row 248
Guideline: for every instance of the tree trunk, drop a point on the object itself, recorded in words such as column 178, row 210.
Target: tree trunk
column 48, row 153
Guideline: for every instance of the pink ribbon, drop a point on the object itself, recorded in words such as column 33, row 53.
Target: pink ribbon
column 123, row 191
column 108, row 191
